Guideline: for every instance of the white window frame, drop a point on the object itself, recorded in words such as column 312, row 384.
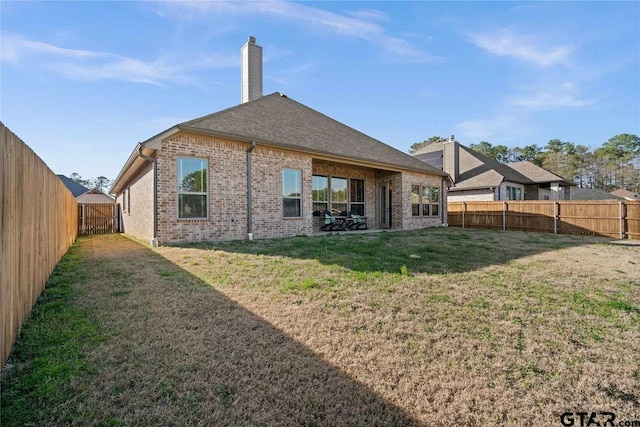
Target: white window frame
column 192, row 193
column 299, row 198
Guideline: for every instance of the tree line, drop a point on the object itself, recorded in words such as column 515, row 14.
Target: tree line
column 613, row 165
column 101, row 183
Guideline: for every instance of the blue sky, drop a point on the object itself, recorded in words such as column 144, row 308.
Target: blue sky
column 83, row 82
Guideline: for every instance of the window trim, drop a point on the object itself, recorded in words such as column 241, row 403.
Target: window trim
column 180, row 192
column 291, row 197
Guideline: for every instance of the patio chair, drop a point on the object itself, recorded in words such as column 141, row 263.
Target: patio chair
column 331, row 223
column 358, row 222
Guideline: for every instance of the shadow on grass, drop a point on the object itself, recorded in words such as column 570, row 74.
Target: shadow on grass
column 181, row 353
column 432, row 250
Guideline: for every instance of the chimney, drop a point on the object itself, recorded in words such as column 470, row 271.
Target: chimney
column 451, row 157
column 251, row 70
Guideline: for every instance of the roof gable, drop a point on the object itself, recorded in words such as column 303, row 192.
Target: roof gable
column 280, row 121
column 75, row 188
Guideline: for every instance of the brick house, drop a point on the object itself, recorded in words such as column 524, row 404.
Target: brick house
column 477, row 177
column 267, row 168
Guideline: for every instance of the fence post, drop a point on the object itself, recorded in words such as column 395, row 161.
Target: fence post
column 464, row 209
column 621, row 220
column 504, row 216
column 555, row 217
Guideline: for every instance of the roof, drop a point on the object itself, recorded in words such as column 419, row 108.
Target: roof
column 75, row 188
column 95, row 196
column 626, row 194
column 591, row 194
column 536, row 173
column 280, row 121
column 479, row 171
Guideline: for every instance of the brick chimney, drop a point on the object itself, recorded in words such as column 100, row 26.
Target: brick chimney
column 251, row 70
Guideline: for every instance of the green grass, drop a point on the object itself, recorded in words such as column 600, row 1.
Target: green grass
column 48, row 353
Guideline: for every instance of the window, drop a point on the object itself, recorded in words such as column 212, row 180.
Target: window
column 291, row 193
column 415, row 200
column 435, row 201
column 192, row 188
column 129, row 199
column 518, row 193
column 320, row 190
column 124, row 201
column 357, row 196
column 338, row 195
column 426, row 200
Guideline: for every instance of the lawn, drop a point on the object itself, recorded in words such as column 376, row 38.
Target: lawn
column 433, row 327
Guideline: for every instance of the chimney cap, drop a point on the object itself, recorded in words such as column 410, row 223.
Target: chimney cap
column 252, row 39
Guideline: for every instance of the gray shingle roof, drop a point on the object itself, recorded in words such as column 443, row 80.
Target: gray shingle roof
column 536, row 173
column 280, row 121
column 591, row 194
column 75, row 188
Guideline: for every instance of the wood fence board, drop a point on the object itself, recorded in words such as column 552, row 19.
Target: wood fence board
column 38, row 223
column 605, row 218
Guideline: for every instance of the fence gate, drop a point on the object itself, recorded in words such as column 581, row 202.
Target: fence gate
column 98, row 218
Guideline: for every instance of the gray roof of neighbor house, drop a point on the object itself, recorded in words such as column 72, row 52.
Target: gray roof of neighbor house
column 536, row 173
column 479, row 171
column 75, row 188
column 591, row 194
column 626, row 194
column 280, row 121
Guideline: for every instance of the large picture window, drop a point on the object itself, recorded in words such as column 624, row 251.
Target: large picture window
column 338, row 195
column 426, row 200
column 320, row 190
column 192, row 187
column 291, row 193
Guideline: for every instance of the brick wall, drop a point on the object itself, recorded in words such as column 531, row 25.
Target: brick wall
column 267, row 165
column 227, row 192
column 137, row 210
column 410, row 222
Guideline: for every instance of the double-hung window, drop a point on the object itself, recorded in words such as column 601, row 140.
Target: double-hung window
column 291, row 193
column 192, row 188
column 435, row 201
column 415, row 200
column 426, row 200
column 338, row 195
column 320, row 190
column 357, row 196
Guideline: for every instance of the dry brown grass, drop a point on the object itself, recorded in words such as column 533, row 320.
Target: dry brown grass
column 450, row 326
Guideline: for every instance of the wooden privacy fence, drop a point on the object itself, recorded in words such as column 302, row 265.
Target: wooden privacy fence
column 611, row 218
column 38, row 223
column 98, row 218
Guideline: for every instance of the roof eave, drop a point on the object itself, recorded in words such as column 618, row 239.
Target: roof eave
column 244, row 138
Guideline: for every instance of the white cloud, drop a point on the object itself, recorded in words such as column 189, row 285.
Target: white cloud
column 526, row 47
column 370, row 14
column 504, row 127
column 551, row 97
column 359, row 27
column 86, row 65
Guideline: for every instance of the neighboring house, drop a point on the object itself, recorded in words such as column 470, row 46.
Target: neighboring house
column 592, row 194
column 268, row 168
column 626, row 194
column 83, row 194
column 95, row 196
column 478, row 177
column 75, row 188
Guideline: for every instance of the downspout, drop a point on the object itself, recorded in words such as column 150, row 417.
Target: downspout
column 154, row 241
column 249, row 194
